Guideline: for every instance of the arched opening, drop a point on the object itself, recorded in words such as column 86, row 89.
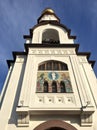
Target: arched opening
column 45, row 86
column 54, row 87
column 62, row 87
column 53, row 76
column 50, row 36
column 53, row 65
column 55, row 125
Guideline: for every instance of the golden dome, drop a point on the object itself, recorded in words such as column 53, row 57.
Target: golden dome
column 47, row 10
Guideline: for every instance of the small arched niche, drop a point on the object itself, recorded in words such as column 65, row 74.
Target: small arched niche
column 50, row 36
column 45, row 86
column 54, row 87
column 62, row 87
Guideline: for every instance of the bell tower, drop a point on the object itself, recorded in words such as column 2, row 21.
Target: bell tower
column 51, row 85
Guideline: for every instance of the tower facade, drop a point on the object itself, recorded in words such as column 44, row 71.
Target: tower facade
column 51, row 85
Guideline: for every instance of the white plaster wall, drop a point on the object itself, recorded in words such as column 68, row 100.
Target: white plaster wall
column 92, row 82
column 77, row 76
column 28, row 92
column 27, row 81
column 42, row 58
column 91, row 85
column 63, row 37
column 10, row 100
column 37, row 120
column 5, row 84
column 95, row 119
column 29, row 88
column 30, row 76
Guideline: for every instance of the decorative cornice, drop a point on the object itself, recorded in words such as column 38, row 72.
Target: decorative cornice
column 76, row 46
column 84, row 54
column 63, row 46
column 9, row 62
column 52, row 23
column 27, row 36
column 87, row 54
column 15, row 53
column 92, row 62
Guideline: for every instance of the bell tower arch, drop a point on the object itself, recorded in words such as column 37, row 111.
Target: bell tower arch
column 50, row 36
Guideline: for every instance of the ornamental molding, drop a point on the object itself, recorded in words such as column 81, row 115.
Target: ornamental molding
column 23, row 119
column 86, row 119
column 51, row 51
column 82, row 59
column 66, row 99
column 20, row 59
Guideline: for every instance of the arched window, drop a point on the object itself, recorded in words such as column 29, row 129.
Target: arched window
column 50, row 36
column 45, row 85
column 53, row 65
column 54, row 87
column 62, row 87
column 53, row 76
column 68, row 86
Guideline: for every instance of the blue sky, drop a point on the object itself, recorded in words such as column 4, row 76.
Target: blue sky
column 18, row 16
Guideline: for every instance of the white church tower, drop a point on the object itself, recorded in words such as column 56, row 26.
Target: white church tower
column 51, row 85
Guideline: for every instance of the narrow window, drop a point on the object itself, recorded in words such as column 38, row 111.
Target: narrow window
column 68, row 86
column 62, row 87
column 45, row 86
column 49, row 66
column 55, row 66
column 54, row 87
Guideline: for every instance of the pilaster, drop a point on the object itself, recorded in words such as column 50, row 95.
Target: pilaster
column 9, row 101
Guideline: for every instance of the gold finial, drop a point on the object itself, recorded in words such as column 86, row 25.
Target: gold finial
column 48, row 10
